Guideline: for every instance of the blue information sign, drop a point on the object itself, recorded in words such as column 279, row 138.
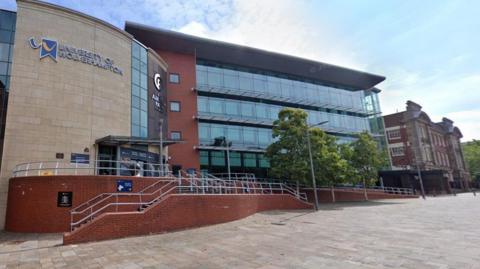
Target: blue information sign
column 124, row 185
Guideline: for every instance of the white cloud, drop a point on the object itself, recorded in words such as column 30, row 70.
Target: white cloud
column 440, row 95
column 280, row 26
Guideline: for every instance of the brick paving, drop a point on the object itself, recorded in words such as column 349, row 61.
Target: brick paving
column 441, row 232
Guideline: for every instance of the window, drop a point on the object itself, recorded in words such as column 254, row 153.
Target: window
column 174, row 78
column 397, row 151
column 235, row 159
column 249, row 160
column 395, row 134
column 175, row 135
column 175, row 106
column 203, row 157
column 217, row 158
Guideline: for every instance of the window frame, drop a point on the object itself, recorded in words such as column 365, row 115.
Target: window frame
column 176, row 132
column 175, row 102
column 170, row 78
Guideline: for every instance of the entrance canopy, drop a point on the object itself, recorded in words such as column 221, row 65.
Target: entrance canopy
column 114, row 140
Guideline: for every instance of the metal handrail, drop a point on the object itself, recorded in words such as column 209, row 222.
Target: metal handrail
column 94, row 167
column 109, row 195
column 189, row 185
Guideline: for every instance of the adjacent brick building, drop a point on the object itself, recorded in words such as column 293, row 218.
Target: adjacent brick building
column 414, row 140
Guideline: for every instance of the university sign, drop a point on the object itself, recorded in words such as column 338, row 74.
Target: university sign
column 51, row 48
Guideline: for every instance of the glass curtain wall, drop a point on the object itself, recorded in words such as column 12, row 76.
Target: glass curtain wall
column 7, row 37
column 272, row 85
column 245, row 110
column 139, row 91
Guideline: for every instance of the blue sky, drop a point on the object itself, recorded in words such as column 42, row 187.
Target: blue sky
column 428, row 50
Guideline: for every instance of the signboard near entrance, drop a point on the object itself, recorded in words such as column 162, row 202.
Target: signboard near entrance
column 64, row 199
column 124, row 185
column 80, row 158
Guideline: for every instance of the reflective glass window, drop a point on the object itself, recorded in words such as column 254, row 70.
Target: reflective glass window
column 263, row 161
column 174, row 78
column 261, row 111
column 231, row 81
column 202, row 104
column 218, row 158
column 249, row 160
column 215, row 79
column 249, row 135
column 233, row 133
column 246, row 109
column 231, row 107
column 203, row 157
column 217, row 131
column 216, row 106
column 4, row 52
column 235, row 159
column 204, row 132
column 175, row 135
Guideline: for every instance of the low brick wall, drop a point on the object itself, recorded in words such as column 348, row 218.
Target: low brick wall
column 350, row 195
column 181, row 211
column 32, row 201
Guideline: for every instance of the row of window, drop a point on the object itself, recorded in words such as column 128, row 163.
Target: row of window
column 397, row 151
column 139, row 91
column 237, row 159
column 224, row 78
column 442, row 158
column 438, row 140
column 394, row 134
column 261, row 112
column 239, row 135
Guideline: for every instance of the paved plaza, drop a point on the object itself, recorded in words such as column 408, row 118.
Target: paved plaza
column 441, row 232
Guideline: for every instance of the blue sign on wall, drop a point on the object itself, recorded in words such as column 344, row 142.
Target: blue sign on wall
column 124, row 185
column 80, row 158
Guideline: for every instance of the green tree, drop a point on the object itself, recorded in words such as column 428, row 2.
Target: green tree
column 471, row 151
column 366, row 159
column 288, row 154
column 330, row 167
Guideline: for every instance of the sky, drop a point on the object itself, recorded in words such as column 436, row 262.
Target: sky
column 428, row 50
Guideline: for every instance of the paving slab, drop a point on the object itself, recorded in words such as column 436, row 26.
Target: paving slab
column 440, row 232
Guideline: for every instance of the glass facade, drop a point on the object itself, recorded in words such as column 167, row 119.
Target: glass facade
column 246, row 110
column 230, row 96
column 269, row 85
column 139, row 91
column 240, row 136
column 7, row 37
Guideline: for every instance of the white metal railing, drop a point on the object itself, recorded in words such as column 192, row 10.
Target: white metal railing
column 94, row 167
column 236, row 176
column 391, row 190
column 128, row 202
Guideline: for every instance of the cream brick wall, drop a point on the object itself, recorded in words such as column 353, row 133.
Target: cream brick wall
column 62, row 106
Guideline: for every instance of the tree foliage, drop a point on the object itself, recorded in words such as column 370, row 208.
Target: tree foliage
column 366, row 159
column 471, row 151
column 333, row 164
column 288, row 154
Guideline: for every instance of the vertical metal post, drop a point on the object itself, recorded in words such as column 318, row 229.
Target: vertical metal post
column 312, row 171
column 228, row 157
column 160, row 156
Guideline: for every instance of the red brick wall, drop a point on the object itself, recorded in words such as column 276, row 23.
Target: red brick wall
column 32, row 201
column 178, row 212
column 184, row 121
column 345, row 195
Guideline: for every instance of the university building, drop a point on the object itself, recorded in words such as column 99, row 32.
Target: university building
column 81, row 96
column 415, row 143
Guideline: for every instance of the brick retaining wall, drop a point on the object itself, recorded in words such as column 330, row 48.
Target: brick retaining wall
column 181, row 211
